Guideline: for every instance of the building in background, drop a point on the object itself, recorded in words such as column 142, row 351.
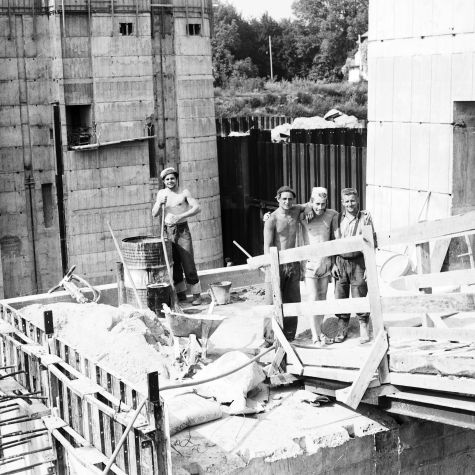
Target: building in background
column 96, row 97
column 421, row 110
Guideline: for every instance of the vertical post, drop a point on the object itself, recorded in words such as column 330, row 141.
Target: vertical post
column 119, row 270
column 270, row 59
column 424, row 267
column 374, row 294
column 161, row 437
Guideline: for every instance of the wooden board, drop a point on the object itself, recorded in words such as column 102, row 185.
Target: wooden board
column 436, row 383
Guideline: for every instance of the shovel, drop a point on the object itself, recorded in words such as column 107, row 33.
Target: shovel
column 173, row 296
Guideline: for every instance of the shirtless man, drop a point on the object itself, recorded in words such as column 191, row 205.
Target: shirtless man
column 179, row 206
column 280, row 230
column 320, row 228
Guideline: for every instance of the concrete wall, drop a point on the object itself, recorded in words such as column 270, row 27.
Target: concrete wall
column 158, row 75
column 421, row 60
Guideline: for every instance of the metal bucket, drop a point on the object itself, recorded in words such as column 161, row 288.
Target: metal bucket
column 145, row 260
column 222, row 292
column 395, row 265
column 157, row 295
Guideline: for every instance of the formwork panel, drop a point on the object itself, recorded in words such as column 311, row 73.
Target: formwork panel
column 43, row 158
column 40, row 135
column 121, row 46
column 384, row 19
column 205, row 229
column 440, row 167
column 384, row 88
column 77, row 68
column 372, row 78
column 122, row 66
column 371, row 151
column 382, row 205
column 9, row 93
column 196, row 127
column 9, row 115
column 133, row 89
column 193, row 65
column 195, row 88
column 402, row 88
column 192, row 46
column 442, row 17
column 401, row 155
column 11, row 160
column 39, row 114
column 400, row 205
column 123, row 111
column 110, row 131
column 8, row 69
column 403, row 18
column 383, row 154
column 441, row 101
column 422, row 21
column 462, row 79
column 203, row 188
column 198, row 170
column 421, row 93
column 464, row 16
column 39, row 92
column 420, row 153
column 75, row 25
column 11, row 136
column 76, row 47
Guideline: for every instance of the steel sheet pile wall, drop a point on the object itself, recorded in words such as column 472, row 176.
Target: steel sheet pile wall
column 92, row 406
column 253, row 168
column 421, row 60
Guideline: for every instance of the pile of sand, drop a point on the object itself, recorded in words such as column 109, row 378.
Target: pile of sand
column 124, row 340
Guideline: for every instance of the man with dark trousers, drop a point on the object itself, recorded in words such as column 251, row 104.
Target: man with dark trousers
column 349, row 270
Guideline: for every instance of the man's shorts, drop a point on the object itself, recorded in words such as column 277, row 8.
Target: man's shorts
column 318, row 269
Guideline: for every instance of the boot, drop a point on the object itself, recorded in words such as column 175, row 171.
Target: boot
column 196, row 299
column 342, row 330
column 364, row 336
column 181, row 296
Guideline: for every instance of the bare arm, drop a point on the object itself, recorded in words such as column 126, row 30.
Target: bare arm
column 194, row 206
column 269, row 229
column 157, row 207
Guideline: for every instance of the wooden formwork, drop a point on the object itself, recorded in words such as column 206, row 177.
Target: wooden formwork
column 359, row 369
column 90, row 407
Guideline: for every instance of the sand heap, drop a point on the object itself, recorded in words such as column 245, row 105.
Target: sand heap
column 125, row 341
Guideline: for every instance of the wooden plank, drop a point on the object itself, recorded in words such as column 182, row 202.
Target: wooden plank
column 292, row 356
column 335, row 374
column 429, row 230
column 437, row 321
column 374, row 296
column 352, row 396
column 439, row 279
column 336, row 356
column 441, row 246
column 327, row 307
column 312, row 252
column 427, row 303
column 437, row 383
column 421, row 333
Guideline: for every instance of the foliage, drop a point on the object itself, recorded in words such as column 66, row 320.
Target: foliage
column 296, row 98
column 315, row 45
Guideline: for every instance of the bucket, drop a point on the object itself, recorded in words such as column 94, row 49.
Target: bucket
column 221, row 292
column 395, row 265
column 158, row 294
column 145, row 260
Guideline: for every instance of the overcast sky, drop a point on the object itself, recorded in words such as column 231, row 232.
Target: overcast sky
column 277, row 9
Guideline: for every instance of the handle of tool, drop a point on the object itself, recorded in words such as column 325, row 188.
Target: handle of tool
column 167, row 262
column 246, row 253
column 125, row 267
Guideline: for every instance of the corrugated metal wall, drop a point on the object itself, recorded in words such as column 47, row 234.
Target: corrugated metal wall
column 251, row 170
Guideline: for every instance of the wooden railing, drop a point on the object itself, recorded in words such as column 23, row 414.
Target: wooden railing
column 90, row 406
column 377, row 358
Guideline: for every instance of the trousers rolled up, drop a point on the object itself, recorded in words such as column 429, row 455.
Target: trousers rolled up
column 184, row 268
column 351, row 279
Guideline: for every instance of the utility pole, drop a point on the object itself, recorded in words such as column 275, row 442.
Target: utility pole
column 270, row 58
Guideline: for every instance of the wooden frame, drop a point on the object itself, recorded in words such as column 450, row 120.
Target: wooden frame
column 430, row 304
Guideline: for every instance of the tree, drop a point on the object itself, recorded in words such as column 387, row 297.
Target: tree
column 335, row 25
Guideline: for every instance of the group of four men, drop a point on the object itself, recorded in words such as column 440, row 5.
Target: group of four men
column 317, row 224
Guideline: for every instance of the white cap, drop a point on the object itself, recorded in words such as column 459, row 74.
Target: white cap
column 319, row 192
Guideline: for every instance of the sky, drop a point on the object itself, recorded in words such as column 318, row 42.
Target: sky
column 277, row 9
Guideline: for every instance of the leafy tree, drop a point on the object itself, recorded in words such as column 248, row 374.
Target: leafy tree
column 335, row 25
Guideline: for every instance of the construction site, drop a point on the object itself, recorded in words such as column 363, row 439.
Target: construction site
column 103, row 369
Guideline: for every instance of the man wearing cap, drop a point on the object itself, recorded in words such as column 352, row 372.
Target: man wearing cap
column 322, row 227
column 349, row 269
column 280, row 230
column 179, row 206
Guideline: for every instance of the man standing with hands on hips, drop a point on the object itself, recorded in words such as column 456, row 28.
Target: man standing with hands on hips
column 179, row 206
column 349, row 271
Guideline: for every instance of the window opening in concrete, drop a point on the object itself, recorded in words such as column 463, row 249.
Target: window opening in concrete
column 78, row 123
column 125, row 29
column 47, row 194
column 194, row 29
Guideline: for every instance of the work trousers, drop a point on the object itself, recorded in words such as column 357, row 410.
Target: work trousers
column 351, row 278
column 290, row 292
column 183, row 260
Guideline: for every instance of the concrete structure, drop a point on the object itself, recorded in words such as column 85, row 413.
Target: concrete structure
column 96, row 99
column 420, row 110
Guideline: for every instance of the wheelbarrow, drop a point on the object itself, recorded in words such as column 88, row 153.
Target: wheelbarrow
column 185, row 325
